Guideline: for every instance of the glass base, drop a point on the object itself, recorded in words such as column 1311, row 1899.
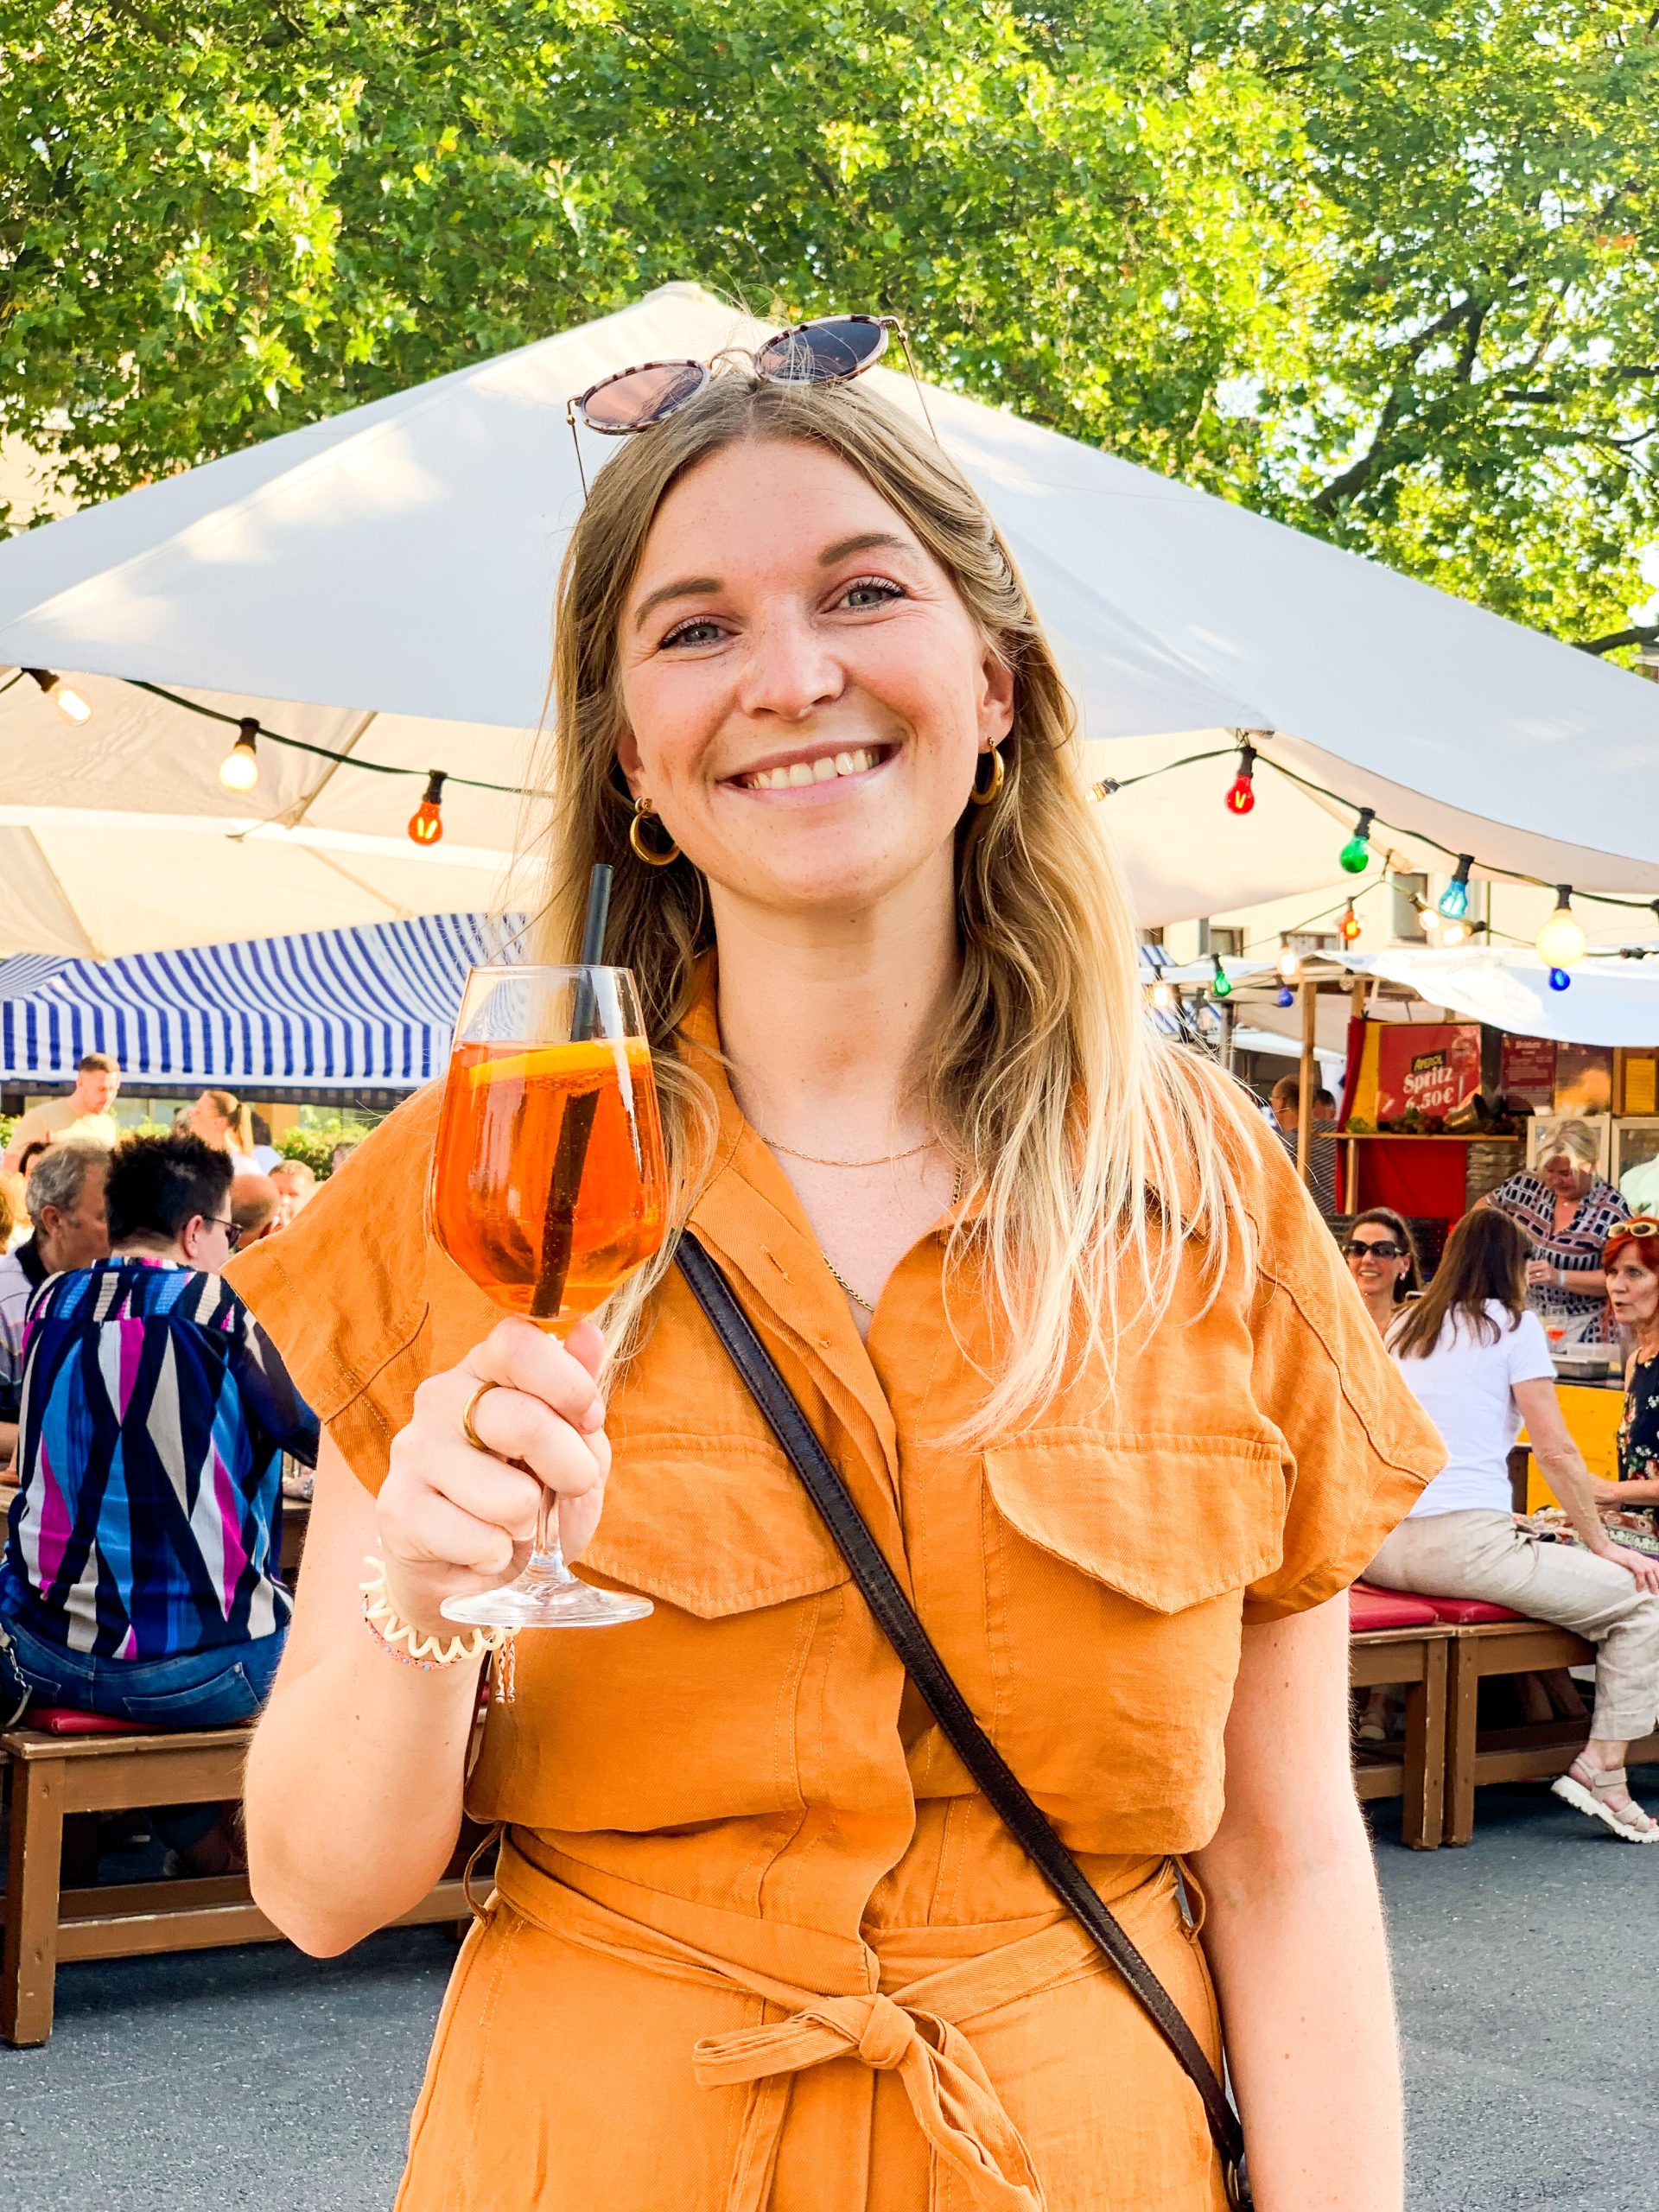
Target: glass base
column 543, row 1598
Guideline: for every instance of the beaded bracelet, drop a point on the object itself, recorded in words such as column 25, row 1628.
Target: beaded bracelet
column 422, row 1651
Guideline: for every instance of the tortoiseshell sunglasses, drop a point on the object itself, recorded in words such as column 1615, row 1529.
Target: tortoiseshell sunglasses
column 832, row 351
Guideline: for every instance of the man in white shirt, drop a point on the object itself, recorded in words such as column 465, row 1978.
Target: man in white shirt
column 84, row 1114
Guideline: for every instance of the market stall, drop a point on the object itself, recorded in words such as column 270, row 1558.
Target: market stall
column 1442, row 1102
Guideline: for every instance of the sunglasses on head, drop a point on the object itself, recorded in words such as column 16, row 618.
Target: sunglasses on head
column 1640, row 1229
column 1383, row 1249
column 831, row 351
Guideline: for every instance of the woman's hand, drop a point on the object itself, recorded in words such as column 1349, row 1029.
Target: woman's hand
column 1641, row 1567
column 1540, row 1272
column 453, row 1520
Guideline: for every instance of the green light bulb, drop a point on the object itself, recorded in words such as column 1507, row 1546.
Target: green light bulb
column 1355, row 855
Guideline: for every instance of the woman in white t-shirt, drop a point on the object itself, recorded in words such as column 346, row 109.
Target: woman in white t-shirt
column 1478, row 1363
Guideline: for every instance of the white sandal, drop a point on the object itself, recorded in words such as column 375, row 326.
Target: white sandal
column 1628, row 1821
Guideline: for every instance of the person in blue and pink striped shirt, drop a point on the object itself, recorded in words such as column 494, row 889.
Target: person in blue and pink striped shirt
column 141, row 1576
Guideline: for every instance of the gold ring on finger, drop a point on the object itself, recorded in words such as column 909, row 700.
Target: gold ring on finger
column 473, row 1404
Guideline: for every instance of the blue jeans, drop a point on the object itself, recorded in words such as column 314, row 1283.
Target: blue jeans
column 197, row 1689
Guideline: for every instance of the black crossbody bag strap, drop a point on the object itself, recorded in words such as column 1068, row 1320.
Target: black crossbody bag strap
column 897, row 1620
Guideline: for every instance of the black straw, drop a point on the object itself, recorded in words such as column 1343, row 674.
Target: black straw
column 559, row 1226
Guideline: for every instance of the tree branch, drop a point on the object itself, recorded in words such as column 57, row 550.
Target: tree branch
column 1356, row 477
column 1639, row 633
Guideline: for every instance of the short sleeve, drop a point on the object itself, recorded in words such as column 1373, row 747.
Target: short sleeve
column 1529, row 1351
column 1356, row 1448
column 357, row 1297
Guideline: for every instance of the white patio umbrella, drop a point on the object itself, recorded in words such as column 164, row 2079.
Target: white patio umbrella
column 399, row 561
column 117, row 835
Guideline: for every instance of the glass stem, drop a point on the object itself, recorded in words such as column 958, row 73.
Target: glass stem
column 547, row 1558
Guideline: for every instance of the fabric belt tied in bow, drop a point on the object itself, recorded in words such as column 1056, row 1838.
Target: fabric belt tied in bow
column 956, row 2108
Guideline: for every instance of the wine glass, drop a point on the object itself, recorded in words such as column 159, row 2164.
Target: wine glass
column 548, row 1189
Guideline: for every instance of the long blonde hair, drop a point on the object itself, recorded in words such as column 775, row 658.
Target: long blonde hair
column 1097, row 1149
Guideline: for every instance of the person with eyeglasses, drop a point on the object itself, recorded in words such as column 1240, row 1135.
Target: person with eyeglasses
column 1382, row 1262
column 141, row 1576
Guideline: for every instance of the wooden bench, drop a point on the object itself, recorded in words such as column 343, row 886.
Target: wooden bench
column 1395, row 1638
column 1489, row 1640
column 56, row 1777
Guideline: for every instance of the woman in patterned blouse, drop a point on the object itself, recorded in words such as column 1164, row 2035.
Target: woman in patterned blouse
column 1569, row 1211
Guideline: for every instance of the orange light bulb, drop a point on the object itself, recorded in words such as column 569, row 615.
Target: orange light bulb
column 425, row 823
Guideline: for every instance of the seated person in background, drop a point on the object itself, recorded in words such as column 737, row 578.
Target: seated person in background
column 65, row 1197
column 83, row 1113
column 255, row 1209
column 1631, row 1262
column 140, row 1577
column 1478, row 1363
column 14, row 1209
column 220, row 1119
column 1382, row 1262
column 297, row 1185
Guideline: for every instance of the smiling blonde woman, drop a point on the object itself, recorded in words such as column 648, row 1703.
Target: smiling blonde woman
column 1085, row 1356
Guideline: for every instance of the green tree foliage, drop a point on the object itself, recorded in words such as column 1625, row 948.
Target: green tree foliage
column 1382, row 268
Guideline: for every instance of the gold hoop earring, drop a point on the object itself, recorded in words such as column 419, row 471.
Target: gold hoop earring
column 643, row 812
column 982, row 797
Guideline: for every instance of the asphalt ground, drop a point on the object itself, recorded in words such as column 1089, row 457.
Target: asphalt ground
column 1525, row 1966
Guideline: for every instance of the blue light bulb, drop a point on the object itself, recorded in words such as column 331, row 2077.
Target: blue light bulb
column 1559, row 979
column 1454, row 900
column 1285, row 996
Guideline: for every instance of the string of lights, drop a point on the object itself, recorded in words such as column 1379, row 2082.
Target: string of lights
column 239, row 769
column 1561, row 942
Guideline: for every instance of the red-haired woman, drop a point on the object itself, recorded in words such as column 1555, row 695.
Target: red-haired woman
column 1631, row 1262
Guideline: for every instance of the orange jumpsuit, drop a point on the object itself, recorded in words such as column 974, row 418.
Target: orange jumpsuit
column 757, row 1943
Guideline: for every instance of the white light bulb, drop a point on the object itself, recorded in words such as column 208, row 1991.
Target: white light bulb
column 1163, row 997
column 1452, row 930
column 70, row 704
column 1561, row 941
column 240, row 770
column 1290, row 963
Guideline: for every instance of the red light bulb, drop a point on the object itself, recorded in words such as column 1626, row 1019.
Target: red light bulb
column 1241, row 792
column 425, row 823
column 1351, row 926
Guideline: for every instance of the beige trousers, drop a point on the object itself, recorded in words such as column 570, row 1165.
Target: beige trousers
column 1485, row 1555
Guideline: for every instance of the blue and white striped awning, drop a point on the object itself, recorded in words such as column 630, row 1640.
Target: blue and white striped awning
column 339, row 1009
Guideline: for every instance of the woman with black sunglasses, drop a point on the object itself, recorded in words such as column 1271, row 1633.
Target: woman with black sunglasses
column 1383, row 1263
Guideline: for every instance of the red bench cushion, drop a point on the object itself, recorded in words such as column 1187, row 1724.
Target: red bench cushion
column 1371, row 1608
column 1471, row 1612
column 65, row 1720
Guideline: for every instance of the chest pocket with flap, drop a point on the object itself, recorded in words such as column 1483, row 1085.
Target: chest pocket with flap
column 1166, row 1521
column 699, row 1713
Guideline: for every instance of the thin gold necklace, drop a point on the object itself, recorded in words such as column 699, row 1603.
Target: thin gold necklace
column 886, row 1160
column 857, row 1296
